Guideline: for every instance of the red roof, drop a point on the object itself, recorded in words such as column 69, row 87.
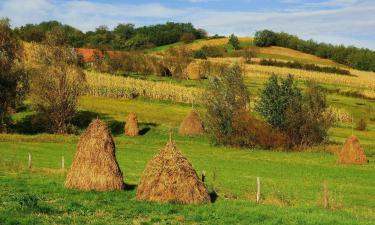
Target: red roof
column 89, row 54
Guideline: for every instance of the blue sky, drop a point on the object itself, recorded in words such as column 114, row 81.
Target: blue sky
column 335, row 21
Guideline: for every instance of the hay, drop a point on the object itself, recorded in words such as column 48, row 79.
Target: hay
column 191, row 125
column 95, row 166
column 352, row 152
column 194, row 71
column 131, row 125
column 169, row 177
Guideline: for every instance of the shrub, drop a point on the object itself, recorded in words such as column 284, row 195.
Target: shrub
column 300, row 117
column 176, row 60
column 199, row 54
column 187, row 38
column 308, row 67
column 234, row 42
column 361, row 124
column 305, row 123
column 213, row 51
column 227, row 97
column 276, row 98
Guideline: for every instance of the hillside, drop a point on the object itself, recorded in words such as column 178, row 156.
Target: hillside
column 294, row 184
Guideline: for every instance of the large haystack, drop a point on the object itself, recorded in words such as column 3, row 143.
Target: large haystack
column 95, row 166
column 352, row 152
column 194, row 71
column 131, row 125
column 169, row 177
column 191, row 125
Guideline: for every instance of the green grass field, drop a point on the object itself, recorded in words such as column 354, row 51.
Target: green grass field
column 291, row 181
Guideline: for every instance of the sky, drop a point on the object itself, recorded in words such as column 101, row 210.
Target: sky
column 349, row 22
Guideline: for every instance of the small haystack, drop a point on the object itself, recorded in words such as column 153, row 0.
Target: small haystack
column 191, row 125
column 131, row 125
column 352, row 152
column 169, row 177
column 194, row 71
column 95, row 166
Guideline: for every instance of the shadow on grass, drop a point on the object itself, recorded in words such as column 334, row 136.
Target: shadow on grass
column 30, row 124
column 213, row 196
column 130, row 187
column 37, row 123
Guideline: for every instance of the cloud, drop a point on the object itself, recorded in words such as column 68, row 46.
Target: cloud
column 337, row 21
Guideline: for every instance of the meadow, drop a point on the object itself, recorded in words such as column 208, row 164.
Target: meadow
column 292, row 182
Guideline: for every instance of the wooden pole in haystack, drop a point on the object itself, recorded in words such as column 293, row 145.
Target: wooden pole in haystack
column 258, row 189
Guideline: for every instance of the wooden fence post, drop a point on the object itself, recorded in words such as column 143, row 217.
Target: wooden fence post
column 258, row 189
column 62, row 163
column 325, row 195
column 30, row 164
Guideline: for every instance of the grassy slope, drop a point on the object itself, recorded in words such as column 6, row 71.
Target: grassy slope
column 275, row 52
column 291, row 182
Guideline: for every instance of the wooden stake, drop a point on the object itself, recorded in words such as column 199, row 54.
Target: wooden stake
column 352, row 125
column 30, row 165
column 325, row 195
column 258, row 189
column 170, row 135
column 62, row 163
column 203, row 175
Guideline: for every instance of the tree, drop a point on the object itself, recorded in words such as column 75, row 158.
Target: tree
column 265, row 38
column 249, row 53
column 12, row 75
column 227, row 98
column 276, row 98
column 298, row 116
column 234, row 42
column 305, row 123
column 56, row 83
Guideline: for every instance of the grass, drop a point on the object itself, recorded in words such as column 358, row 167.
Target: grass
column 291, row 182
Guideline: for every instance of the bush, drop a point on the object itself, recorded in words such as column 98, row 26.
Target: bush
column 361, row 125
column 305, row 122
column 227, row 98
column 308, row 67
column 213, row 51
column 301, row 117
column 276, row 98
column 199, row 54
column 234, row 42
column 187, row 38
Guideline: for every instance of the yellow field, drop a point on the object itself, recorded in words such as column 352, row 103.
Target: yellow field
column 214, row 42
column 101, row 84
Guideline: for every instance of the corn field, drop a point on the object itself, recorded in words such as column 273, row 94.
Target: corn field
column 106, row 85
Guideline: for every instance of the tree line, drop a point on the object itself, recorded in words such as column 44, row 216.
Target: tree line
column 358, row 58
column 124, row 36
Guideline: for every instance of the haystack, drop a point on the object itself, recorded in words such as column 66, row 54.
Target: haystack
column 95, row 166
column 191, row 125
column 352, row 152
column 194, row 71
column 169, row 177
column 131, row 125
